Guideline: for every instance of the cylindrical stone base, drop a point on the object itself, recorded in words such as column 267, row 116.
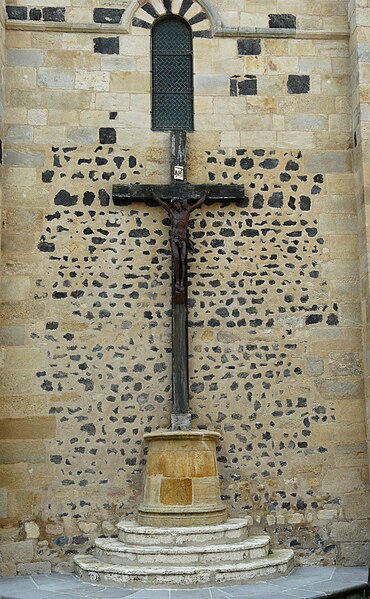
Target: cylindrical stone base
column 181, row 480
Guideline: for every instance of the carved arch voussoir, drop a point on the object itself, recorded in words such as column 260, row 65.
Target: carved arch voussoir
column 200, row 14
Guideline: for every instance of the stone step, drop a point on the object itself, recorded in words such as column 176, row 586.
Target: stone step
column 233, row 531
column 90, row 569
column 114, row 552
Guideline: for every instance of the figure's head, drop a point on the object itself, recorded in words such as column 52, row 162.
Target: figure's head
column 177, row 204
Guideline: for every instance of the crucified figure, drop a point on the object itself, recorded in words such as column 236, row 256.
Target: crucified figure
column 180, row 242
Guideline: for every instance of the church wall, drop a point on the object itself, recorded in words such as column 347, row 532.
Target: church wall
column 276, row 308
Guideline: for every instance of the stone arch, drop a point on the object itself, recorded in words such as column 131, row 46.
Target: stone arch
column 200, row 14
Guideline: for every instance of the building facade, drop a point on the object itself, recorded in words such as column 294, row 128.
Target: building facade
column 279, row 284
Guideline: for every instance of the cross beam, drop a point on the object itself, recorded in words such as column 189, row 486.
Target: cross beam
column 190, row 194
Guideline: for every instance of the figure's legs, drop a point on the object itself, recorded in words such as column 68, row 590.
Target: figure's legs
column 183, row 265
column 176, row 264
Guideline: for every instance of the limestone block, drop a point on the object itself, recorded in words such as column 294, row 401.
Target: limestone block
column 258, row 139
column 176, row 491
column 347, row 531
column 306, row 122
column 37, row 116
column 118, row 63
column 327, row 514
column 21, row 551
column 24, row 450
column 32, row 568
column 338, row 223
column 300, row 48
column 3, row 503
column 24, row 357
column 112, row 101
column 57, row 117
column 32, row 530
column 11, row 335
column 343, row 480
column 20, row 77
column 50, row 98
column 211, row 85
column 82, row 135
column 14, row 289
column 41, row 427
column 87, row 527
column 94, row 80
column 56, row 78
column 20, row 134
column 130, row 82
column 356, row 505
column 14, row 158
column 48, row 135
column 355, row 554
column 18, row 39
column 295, row 139
column 306, row 103
column 25, row 57
column 343, row 247
column 230, row 139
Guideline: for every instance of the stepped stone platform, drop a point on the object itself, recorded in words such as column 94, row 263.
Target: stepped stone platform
column 187, row 556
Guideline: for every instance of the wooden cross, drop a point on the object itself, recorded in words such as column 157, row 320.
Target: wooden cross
column 165, row 194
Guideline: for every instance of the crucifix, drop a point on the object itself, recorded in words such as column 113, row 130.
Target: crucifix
column 179, row 199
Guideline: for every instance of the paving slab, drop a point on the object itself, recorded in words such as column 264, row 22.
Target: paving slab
column 307, row 582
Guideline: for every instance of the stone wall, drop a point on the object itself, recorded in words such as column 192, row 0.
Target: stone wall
column 275, row 300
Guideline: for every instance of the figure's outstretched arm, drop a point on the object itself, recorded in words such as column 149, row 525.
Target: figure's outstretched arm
column 160, row 201
column 200, row 201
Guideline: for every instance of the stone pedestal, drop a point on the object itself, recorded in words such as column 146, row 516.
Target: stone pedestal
column 181, row 480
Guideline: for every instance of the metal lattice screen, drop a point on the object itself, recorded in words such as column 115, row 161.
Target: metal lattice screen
column 172, row 85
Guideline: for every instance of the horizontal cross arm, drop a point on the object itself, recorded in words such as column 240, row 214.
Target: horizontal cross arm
column 125, row 194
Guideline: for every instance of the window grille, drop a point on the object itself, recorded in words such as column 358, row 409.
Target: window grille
column 172, row 75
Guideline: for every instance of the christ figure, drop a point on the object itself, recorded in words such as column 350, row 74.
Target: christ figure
column 180, row 241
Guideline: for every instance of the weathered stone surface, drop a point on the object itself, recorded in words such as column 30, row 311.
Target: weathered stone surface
column 31, row 568
column 17, row 552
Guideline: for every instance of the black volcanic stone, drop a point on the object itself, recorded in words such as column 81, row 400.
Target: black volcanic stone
column 35, row 14
column 282, row 21
column 50, row 13
column 18, row 13
column 107, row 135
column 247, row 47
column 106, row 45
column 298, row 84
column 248, row 87
column 108, row 15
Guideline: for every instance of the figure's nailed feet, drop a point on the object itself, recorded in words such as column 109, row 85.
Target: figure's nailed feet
column 179, row 288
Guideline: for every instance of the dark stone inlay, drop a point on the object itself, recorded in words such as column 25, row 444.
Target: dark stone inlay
column 35, row 14
column 283, row 21
column 206, row 33
column 233, row 87
column 248, row 47
column 106, row 45
column 198, row 18
column 168, row 6
column 51, row 13
column 298, row 84
column 140, row 23
column 186, row 4
column 113, row 116
column 248, row 87
column 18, row 13
column 149, row 8
column 107, row 135
column 108, row 15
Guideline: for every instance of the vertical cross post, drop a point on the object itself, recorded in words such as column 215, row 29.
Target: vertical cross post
column 180, row 418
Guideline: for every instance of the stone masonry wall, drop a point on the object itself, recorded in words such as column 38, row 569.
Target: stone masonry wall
column 275, row 305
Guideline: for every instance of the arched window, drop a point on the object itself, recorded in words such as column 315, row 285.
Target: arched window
column 172, row 75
